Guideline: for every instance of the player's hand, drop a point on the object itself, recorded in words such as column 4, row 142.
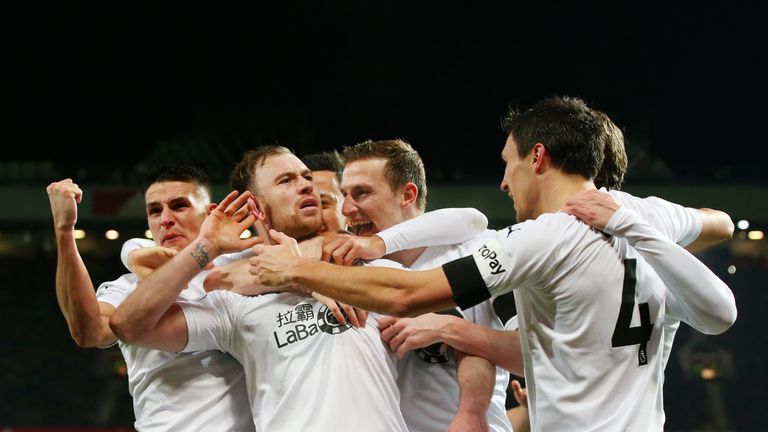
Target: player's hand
column 405, row 334
column 272, row 265
column 143, row 261
column 347, row 249
column 227, row 221
column 521, row 394
column 594, row 207
column 64, row 197
column 342, row 311
column 236, row 277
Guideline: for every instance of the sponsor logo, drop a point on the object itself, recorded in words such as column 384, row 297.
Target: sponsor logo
column 492, row 259
column 511, row 229
column 299, row 324
column 433, row 354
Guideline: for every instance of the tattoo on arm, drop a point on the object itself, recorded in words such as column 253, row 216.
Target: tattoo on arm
column 200, row 255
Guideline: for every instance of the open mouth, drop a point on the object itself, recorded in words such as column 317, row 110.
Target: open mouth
column 171, row 238
column 310, row 203
column 361, row 228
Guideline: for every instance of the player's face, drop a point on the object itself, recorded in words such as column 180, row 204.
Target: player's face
column 516, row 182
column 175, row 211
column 287, row 197
column 331, row 200
column 370, row 205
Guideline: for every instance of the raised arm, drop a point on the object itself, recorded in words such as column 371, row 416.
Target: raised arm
column 716, row 227
column 438, row 227
column 87, row 318
column 699, row 297
column 148, row 317
column 435, row 228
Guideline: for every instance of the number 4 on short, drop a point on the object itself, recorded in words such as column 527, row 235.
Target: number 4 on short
column 623, row 334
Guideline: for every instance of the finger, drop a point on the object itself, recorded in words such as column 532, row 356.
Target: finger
column 397, row 341
column 279, row 237
column 349, row 312
column 240, row 202
column 250, row 242
column 340, row 252
column 388, row 334
column 78, row 195
column 257, row 250
column 228, row 200
column 386, row 321
column 329, row 248
column 402, row 350
column 242, row 213
column 247, row 220
column 362, row 316
column 334, row 308
column 352, row 255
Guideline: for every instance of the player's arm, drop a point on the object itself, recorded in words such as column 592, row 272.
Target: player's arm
column 438, row 227
column 397, row 292
column 384, row 290
column 86, row 317
column 500, row 347
column 716, row 227
column 704, row 300
column 141, row 318
column 477, row 378
column 699, row 297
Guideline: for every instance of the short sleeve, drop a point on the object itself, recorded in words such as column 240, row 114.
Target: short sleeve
column 210, row 321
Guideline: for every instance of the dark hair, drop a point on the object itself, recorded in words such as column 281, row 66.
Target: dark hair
column 325, row 161
column 571, row 132
column 242, row 175
column 614, row 167
column 403, row 164
column 180, row 173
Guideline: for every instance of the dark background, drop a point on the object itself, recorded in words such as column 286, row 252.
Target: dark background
column 102, row 87
column 100, row 91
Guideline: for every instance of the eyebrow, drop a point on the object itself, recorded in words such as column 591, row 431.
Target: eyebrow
column 292, row 174
column 172, row 201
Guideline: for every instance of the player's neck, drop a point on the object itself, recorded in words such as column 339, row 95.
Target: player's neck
column 559, row 188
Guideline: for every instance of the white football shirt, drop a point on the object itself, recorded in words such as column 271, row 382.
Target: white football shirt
column 427, row 379
column 304, row 371
column 590, row 312
column 200, row 391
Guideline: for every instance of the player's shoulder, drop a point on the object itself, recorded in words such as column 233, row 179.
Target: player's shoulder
column 546, row 226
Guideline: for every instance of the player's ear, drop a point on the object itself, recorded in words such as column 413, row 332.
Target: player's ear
column 410, row 194
column 537, row 161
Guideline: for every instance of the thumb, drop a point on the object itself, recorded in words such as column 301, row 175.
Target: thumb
column 279, row 237
column 386, row 321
